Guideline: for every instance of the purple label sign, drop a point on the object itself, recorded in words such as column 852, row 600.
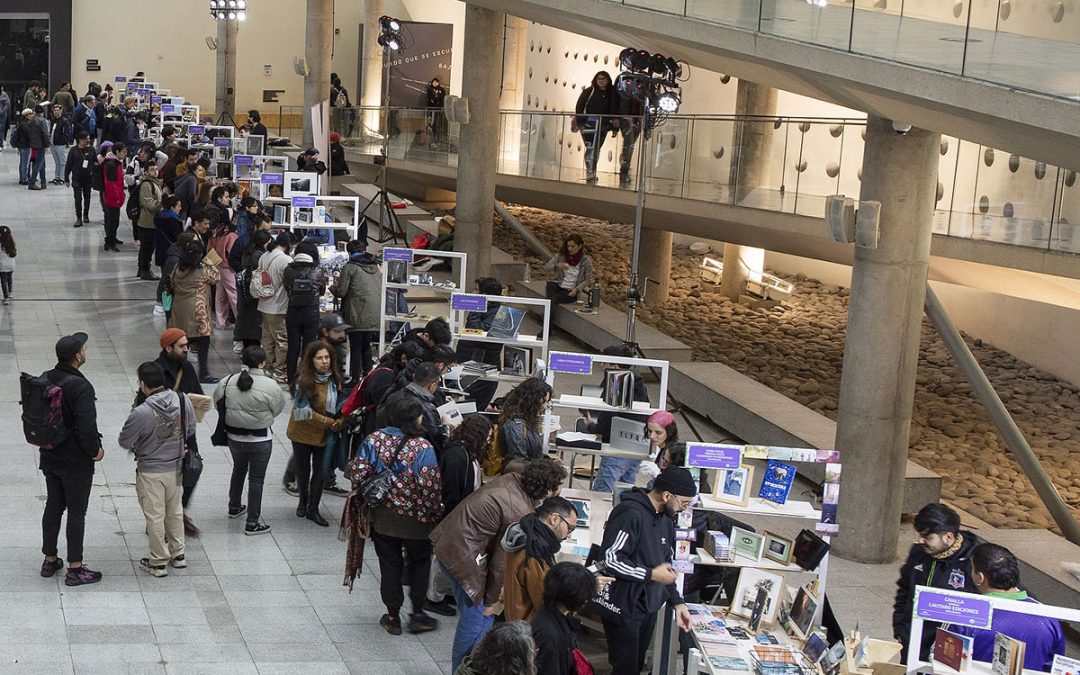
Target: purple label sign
column 222, row 142
column 960, row 608
column 405, row 254
column 561, row 362
column 303, row 202
column 712, row 456
column 273, row 179
column 468, row 303
column 155, row 99
column 144, row 92
column 169, row 109
column 120, row 78
column 243, row 160
column 196, row 129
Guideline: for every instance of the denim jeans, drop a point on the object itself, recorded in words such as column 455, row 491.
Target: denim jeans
column 59, row 155
column 614, row 469
column 472, row 624
column 24, row 165
column 249, row 462
column 37, row 168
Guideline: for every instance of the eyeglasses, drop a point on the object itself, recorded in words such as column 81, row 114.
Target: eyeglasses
column 570, row 527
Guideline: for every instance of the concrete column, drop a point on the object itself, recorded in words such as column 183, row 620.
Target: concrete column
column 479, row 153
column 749, row 170
column 318, row 47
column 512, row 96
column 225, row 98
column 655, row 263
column 372, row 64
column 877, row 389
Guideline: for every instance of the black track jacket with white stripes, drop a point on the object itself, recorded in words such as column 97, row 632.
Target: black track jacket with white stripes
column 637, row 539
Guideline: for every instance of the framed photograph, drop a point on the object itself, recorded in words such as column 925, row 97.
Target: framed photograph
column 300, row 184
column 758, row 592
column 778, row 548
column 733, row 485
column 747, row 543
column 583, row 507
column 802, row 613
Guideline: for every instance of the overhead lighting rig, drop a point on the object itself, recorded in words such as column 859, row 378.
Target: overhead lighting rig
column 652, row 80
column 228, row 10
column 390, row 33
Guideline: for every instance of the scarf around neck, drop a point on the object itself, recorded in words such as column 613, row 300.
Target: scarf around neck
column 540, row 540
column 303, row 409
column 575, row 259
column 951, row 550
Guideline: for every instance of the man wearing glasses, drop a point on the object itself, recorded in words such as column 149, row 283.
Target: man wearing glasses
column 638, row 546
column 531, row 545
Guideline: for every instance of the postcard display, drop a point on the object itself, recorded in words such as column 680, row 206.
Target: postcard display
column 403, row 286
column 519, row 355
column 262, row 177
column 953, row 609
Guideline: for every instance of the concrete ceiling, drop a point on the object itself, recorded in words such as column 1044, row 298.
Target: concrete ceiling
column 1031, row 125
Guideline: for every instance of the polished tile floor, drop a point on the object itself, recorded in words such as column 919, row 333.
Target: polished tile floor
column 265, row 604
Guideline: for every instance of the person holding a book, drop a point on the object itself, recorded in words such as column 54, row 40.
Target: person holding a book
column 941, row 559
column 573, row 270
column 996, row 572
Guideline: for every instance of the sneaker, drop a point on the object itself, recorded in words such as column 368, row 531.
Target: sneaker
column 7, row 302
column 237, row 347
column 154, row 570
column 159, row 310
column 624, row 179
column 422, row 623
column 49, row 568
column 443, row 607
column 237, row 511
column 79, row 576
column 391, row 624
column 147, row 275
column 336, row 490
column 255, row 529
column 290, row 489
column 208, row 379
column 179, row 562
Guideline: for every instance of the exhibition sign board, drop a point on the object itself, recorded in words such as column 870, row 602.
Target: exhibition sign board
column 962, row 609
column 303, row 202
column 564, row 362
column 405, row 254
column 468, row 303
column 272, row 179
column 713, row 456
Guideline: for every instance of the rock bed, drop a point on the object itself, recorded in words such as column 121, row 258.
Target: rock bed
column 798, row 348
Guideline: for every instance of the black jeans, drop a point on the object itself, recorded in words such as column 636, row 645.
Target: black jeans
column 112, row 224
column 360, row 352
column 301, row 327
column 309, row 479
column 82, row 201
column 249, row 461
column 392, row 568
column 5, row 283
column 557, row 294
column 202, row 348
column 628, row 643
column 68, row 490
column 147, row 241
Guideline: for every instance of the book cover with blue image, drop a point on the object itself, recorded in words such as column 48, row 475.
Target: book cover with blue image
column 777, row 481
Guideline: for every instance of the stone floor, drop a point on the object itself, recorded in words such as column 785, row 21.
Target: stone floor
column 244, row 605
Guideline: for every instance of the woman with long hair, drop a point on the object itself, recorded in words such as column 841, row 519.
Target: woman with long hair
column 663, row 434
column 7, row 261
column 521, row 419
column 595, row 117
column 465, row 452
column 409, row 514
column 252, row 401
column 222, row 238
column 190, row 281
column 248, row 328
column 573, row 270
column 314, row 414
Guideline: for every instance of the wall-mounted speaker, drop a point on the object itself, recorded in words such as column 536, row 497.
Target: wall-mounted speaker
column 840, row 217
column 300, row 66
column 456, row 109
column 867, row 221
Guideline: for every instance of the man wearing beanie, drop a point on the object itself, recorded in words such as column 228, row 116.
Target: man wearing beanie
column 639, row 540
column 180, row 376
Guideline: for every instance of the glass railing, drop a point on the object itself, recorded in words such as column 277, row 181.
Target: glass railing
column 781, row 164
column 1033, row 45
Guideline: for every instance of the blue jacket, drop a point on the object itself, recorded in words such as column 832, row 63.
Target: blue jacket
column 1042, row 636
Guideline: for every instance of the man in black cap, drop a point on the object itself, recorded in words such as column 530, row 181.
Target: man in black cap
column 639, row 541
column 333, row 332
column 69, row 466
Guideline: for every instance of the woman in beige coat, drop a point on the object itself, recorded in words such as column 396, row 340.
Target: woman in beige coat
column 190, row 282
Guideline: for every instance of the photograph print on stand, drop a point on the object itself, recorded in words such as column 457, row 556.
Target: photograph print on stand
column 777, row 481
column 746, row 600
column 802, row 612
column 747, row 543
column 733, row 485
column 777, row 548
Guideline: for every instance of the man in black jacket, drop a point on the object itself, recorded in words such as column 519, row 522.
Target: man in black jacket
column 425, row 381
column 78, row 173
column 941, row 559
column 69, row 467
column 639, row 541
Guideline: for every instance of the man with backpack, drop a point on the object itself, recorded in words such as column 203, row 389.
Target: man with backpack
column 68, row 464
column 267, row 286
column 304, row 284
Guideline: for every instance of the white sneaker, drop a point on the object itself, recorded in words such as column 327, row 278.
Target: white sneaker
column 237, row 347
column 159, row 310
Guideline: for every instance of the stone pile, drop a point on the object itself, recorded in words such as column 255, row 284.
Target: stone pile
column 797, row 349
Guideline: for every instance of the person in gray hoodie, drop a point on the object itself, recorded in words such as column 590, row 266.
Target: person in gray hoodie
column 155, row 430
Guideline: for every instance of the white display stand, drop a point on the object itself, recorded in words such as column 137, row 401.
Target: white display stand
column 960, row 601
column 257, row 175
column 442, row 293
column 320, row 207
column 457, row 325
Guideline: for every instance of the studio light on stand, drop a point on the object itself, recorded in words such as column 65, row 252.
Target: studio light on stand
column 392, row 41
column 230, row 12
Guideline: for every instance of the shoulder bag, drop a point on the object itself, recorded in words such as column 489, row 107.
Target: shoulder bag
column 375, row 489
column 220, row 437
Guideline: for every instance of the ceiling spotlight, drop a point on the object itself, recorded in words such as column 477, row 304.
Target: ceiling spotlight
column 242, row 4
column 221, row 16
column 391, row 42
column 668, row 102
column 213, row 4
column 232, row 4
column 658, row 64
column 389, row 24
column 232, row 15
column 241, row 16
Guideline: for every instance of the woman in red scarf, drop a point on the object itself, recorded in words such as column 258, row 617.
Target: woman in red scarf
column 573, row 271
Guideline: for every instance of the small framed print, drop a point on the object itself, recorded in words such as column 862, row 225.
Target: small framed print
column 777, row 548
column 759, row 593
column 733, row 485
column 747, row 543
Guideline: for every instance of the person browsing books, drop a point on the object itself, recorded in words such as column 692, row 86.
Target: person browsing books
column 531, row 545
column 996, row 572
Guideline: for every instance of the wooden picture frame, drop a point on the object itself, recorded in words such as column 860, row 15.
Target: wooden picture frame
column 747, row 543
column 778, row 548
column 733, row 485
column 750, row 580
column 801, row 614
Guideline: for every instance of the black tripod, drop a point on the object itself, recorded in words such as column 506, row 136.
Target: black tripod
column 389, row 226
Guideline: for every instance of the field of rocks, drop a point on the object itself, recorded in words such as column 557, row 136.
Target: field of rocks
column 797, row 349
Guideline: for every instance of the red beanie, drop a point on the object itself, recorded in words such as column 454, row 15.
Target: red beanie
column 335, row 137
column 171, row 336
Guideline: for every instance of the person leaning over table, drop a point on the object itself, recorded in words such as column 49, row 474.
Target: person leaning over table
column 521, row 419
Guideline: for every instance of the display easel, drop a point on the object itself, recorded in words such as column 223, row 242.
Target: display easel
column 421, row 292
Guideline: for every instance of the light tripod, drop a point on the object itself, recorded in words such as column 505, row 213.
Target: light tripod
column 390, row 229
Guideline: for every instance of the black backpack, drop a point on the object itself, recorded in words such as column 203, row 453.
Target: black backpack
column 42, row 410
column 304, row 291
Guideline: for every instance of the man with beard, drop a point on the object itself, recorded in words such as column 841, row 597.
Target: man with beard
column 638, row 546
column 180, row 376
column 942, row 559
